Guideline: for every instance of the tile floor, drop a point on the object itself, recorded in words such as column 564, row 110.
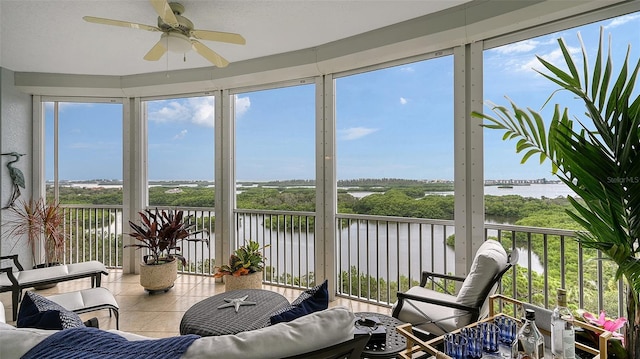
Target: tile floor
column 159, row 315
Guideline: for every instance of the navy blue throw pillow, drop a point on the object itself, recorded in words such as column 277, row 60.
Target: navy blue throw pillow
column 311, row 300
column 39, row 312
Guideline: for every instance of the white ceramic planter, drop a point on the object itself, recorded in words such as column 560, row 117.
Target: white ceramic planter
column 249, row 281
column 159, row 277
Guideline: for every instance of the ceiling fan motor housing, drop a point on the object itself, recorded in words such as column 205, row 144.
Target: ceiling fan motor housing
column 184, row 25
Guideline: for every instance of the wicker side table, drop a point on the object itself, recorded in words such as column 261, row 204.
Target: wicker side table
column 205, row 319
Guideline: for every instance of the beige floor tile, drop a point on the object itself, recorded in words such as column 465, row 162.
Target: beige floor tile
column 165, row 321
column 136, row 320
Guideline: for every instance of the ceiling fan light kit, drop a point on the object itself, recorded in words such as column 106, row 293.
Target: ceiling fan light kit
column 178, row 34
column 176, row 42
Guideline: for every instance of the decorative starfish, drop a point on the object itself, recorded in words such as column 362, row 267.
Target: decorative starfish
column 236, row 302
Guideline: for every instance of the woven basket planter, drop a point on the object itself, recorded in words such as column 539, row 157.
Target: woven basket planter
column 249, row 281
column 158, row 277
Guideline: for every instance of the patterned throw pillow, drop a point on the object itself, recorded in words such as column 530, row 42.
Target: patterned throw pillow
column 311, row 300
column 39, row 312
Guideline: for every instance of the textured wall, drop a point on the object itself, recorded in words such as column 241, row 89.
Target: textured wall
column 15, row 135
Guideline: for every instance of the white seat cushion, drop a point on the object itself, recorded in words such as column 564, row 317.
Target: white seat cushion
column 490, row 259
column 86, row 267
column 3, row 319
column 311, row 332
column 86, row 298
column 421, row 314
column 39, row 275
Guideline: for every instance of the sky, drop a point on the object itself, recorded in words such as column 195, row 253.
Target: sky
column 395, row 122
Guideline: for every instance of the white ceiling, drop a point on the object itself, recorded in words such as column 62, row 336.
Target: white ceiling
column 50, row 36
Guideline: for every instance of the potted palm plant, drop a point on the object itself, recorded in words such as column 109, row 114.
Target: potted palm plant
column 161, row 233
column 598, row 157
column 245, row 267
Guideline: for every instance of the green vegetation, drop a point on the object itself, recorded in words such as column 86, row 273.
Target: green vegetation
column 403, row 201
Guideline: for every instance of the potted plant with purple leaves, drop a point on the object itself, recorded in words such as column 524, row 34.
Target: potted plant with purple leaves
column 161, row 233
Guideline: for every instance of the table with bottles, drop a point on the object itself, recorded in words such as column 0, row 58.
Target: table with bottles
column 504, row 308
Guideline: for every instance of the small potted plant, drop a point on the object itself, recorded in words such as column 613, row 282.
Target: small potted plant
column 245, row 267
column 161, row 233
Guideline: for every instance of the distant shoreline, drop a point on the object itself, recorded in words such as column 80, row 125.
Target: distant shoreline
column 299, row 183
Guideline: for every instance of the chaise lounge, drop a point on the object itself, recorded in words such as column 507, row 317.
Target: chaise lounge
column 17, row 281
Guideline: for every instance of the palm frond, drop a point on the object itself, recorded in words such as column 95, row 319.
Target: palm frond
column 597, row 157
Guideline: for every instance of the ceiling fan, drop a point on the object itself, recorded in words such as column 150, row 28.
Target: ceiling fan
column 178, row 34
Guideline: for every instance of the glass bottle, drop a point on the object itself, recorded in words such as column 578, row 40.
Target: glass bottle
column 563, row 335
column 530, row 342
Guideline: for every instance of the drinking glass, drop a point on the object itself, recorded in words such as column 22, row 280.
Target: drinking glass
column 474, row 342
column 455, row 346
column 508, row 329
column 490, row 337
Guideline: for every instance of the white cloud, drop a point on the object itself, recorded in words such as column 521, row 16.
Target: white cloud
column 621, row 20
column 171, row 111
column 356, row 132
column 526, row 62
column 518, row 47
column 403, row 101
column 203, row 111
column 242, row 105
column 180, row 135
column 196, row 110
column 407, row 69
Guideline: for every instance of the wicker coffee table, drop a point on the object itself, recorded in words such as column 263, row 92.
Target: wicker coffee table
column 205, row 319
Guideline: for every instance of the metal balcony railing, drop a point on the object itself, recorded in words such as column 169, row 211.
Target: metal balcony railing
column 376, row 256
column 288, row 241
column 379, row 255
column 93, row 233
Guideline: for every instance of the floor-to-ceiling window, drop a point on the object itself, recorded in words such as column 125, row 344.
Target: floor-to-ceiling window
column 83, row 150
column 180, row 150
column 394, row 156
column 395, row 130
column 83, row 172
column 180, row 167
column 275, row 173
column 529, row 194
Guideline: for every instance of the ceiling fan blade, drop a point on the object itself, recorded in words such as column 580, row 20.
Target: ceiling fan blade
column 99, row 20
column 219, row 36
column 209, row 54
column 164, row 11
column 156, row 52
